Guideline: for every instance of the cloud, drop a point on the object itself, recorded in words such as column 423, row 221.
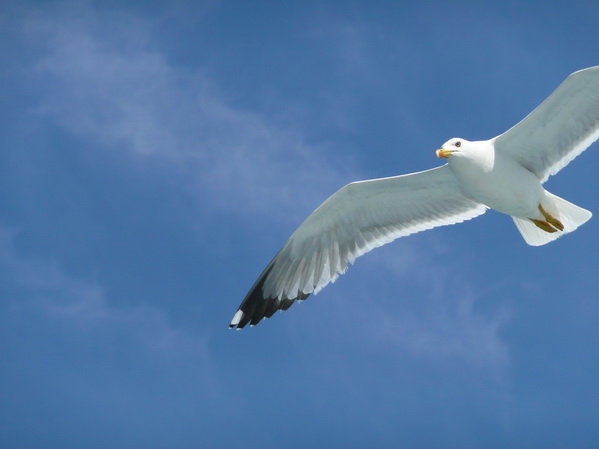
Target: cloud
column 446, row 321
column 80, row 311
column 81, row 361
column 404, row 298
column 448, row 329
column 102, row 79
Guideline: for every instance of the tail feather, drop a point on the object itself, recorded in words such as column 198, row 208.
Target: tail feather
column 570, row 215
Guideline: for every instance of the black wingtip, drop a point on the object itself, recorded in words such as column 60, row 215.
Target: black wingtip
column 257, row 306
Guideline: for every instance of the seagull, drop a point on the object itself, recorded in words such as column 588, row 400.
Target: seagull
column 505, row 173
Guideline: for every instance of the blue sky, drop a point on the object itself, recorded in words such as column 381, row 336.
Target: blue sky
column 155, row 155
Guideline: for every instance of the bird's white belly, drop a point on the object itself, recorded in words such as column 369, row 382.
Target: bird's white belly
column 506, row 187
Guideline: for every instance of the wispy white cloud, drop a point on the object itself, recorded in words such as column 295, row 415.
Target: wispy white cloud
column 102, row 79
column 448, row 329
column 405, row 299
column 81, row 308
column 445, row 323
column 81, row 357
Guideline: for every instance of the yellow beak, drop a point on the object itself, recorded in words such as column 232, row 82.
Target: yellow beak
column 444, row 153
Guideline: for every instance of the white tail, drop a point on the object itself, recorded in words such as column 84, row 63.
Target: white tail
column 570, row 215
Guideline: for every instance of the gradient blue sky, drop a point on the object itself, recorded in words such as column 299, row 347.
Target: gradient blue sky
column 155, row 155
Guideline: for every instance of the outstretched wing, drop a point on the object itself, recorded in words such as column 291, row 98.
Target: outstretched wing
column 359, row 217
column 559, row 129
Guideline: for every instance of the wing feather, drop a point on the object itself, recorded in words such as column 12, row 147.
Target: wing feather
column 559, row 129
column 358, row 218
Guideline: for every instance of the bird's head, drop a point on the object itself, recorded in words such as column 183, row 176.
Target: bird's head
column 453, row 146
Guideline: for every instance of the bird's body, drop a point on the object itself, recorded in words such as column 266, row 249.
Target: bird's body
column 482, row 177
column 505, row 173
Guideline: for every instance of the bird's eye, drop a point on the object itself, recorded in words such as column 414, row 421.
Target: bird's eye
column 458, row 144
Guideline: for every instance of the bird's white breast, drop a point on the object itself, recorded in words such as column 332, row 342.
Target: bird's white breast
column 498, row 181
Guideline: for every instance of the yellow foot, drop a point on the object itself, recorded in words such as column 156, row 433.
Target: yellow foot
column 543, row 225
column 551, row 220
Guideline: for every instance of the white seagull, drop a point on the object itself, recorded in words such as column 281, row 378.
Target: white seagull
column 505, row 173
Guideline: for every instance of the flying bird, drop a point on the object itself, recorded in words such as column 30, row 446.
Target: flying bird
column 505, row 173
